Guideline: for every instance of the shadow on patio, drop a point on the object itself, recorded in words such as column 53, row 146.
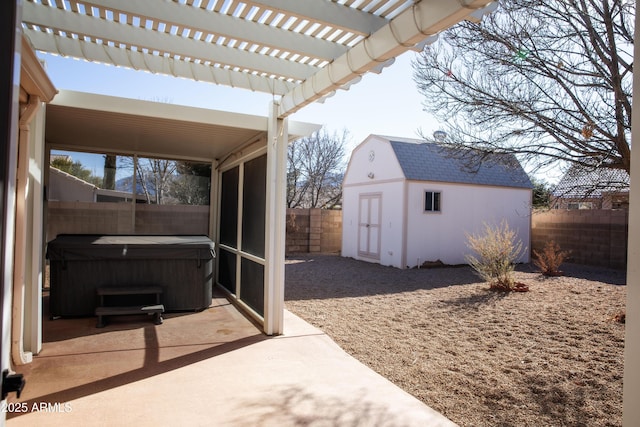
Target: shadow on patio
column 79, row 360
column 208, row 368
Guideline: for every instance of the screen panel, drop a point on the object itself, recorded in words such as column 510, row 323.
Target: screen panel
column 227, row 270
column 252, row 289
column 254, row 201
column 229, row 208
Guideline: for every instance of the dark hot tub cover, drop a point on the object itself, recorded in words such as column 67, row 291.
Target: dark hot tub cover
column 79, row 264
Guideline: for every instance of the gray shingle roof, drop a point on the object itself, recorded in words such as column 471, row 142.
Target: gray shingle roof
column 431, row 162
column 577, row 182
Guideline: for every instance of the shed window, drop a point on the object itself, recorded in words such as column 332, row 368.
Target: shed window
column 432, row 201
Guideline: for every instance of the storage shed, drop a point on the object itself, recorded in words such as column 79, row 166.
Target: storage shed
column 407, row 202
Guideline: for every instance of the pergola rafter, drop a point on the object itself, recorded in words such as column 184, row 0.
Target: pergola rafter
column 136, row 38
column 299, row 50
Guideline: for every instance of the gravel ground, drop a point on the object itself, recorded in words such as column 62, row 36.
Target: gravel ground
column 549, row 357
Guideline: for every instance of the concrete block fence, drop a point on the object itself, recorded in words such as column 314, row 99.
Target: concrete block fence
column 118, row 218
column 308, row 230
column 594, row 237
column 314, row 231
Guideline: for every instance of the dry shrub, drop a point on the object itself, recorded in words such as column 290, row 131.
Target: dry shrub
column 550, row 259
column 498, row 250
column 620, row 317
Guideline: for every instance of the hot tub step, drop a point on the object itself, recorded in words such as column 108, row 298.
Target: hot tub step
column 156, row 310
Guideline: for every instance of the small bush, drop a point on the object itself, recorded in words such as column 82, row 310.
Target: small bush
column 550, row 259
column 497, row 251
column 620, row 317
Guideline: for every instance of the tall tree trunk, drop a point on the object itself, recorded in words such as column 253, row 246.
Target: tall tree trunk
column 109, row 177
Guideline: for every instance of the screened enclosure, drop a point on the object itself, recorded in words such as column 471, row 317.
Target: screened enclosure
column 242, row 232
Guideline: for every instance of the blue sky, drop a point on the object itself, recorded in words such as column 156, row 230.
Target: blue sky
column 386, row 103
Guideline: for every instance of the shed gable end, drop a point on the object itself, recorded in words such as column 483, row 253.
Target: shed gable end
column 373, row 161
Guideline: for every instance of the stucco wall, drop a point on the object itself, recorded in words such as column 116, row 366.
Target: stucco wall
column 442, row 236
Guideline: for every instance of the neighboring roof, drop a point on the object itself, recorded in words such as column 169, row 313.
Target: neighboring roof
column 421, row 161
column 302, row 51
column 580, row 183
column 111, row 193
column 68, row 176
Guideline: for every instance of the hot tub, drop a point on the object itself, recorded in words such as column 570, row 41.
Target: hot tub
column 181, row 265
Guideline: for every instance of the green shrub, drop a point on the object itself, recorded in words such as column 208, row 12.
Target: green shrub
column 497, row 251
column 550, row 259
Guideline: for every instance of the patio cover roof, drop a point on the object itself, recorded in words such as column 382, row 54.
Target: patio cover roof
column 98, row 123
column 300, row 51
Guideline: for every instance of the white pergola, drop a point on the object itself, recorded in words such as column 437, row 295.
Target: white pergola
column 297, row 50
column 300, row 51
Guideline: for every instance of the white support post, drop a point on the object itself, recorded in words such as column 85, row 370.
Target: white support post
column 21, row 246
column 134, row 194
column 631, row 380
column 277, row 138
column 11, row 17
column 214, row 203
column 33, row 297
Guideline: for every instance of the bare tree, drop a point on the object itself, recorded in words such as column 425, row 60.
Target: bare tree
column 548, row 80
column 154, row 177
column 315, row 169
column 297, row 185
column 192, row 183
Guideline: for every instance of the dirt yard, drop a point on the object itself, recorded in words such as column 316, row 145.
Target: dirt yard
column 549, row 357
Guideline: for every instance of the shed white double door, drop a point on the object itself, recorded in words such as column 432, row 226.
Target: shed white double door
column 370, row 211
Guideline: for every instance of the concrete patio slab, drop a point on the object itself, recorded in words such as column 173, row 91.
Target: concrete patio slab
column 204, row 369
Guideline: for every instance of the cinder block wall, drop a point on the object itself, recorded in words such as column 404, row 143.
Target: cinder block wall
column 331, row 239
column 594, row 237
column 313, row 231
column 116, row 218
column 172, row 219
column 87, row 218
column 297, row 230
column 308, row 230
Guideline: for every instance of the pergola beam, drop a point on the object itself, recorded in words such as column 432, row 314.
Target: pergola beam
column 84, row 25
column 402, row 33
column 155, row 64
column 332, row 14
column 210, row 22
